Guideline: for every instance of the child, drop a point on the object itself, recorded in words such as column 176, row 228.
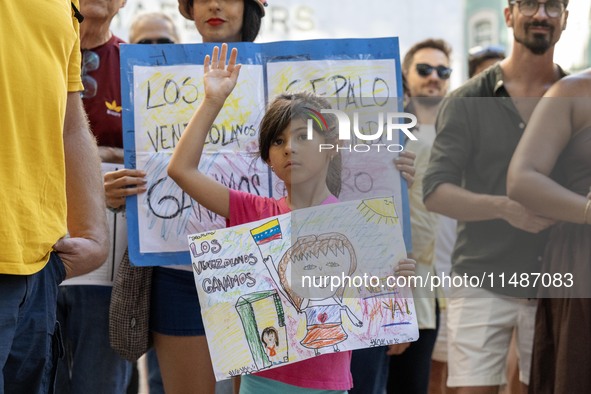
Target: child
column 311, row 178
column 270, row 339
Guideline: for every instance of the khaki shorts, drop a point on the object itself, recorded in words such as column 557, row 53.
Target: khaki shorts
column 479, row 327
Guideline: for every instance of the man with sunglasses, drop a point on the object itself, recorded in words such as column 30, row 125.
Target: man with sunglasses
column 426, row 71
column 90, row 365
column 478, row 128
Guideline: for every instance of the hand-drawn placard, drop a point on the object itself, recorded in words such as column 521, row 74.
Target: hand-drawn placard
column 162, row 87
column 276, row 286
column 165, row 213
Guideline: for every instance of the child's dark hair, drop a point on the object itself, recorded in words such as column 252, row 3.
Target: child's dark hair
column 287, row 107
column 269, row 330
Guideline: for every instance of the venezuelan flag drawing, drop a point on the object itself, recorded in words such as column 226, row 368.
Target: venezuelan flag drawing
column 267, row 232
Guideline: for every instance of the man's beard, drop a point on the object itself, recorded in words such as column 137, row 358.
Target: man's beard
column 427, row 101
column 540, row 43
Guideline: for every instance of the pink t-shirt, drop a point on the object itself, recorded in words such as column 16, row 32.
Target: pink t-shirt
column 330, row 371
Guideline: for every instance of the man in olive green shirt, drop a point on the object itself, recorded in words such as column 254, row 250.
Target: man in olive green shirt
column 479, row 126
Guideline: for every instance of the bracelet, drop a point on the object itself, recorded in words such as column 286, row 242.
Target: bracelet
column 587, row 206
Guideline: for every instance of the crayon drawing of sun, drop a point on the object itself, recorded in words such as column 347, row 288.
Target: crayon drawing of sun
column 378, row 210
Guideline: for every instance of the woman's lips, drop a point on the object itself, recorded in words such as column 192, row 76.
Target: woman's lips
column 215, row 21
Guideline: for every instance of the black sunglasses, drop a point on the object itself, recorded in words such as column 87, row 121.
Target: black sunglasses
column 155, row 41
column 424, row 70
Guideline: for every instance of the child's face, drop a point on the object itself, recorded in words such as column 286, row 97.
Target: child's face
column 297, row 160
column 269, row 338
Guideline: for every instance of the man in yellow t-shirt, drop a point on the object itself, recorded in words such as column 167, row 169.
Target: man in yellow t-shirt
column 51, row 185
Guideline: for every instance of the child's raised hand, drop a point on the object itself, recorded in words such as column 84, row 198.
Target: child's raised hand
column 219, row 79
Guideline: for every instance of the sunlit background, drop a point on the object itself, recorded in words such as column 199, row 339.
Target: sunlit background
column 463, row 23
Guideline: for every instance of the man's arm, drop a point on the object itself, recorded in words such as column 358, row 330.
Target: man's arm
column 87, row 246
column 442, row 190
column 466, row 206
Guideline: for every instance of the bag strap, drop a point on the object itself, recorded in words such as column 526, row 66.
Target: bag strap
column 77, row 13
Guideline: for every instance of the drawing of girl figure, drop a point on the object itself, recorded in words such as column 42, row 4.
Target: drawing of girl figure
column 270, row 338
column 319, row 258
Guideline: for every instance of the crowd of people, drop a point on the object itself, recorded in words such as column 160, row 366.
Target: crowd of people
column 499, row 183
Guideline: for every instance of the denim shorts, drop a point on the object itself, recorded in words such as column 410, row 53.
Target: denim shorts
column 175, row 306
column 30, row 342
